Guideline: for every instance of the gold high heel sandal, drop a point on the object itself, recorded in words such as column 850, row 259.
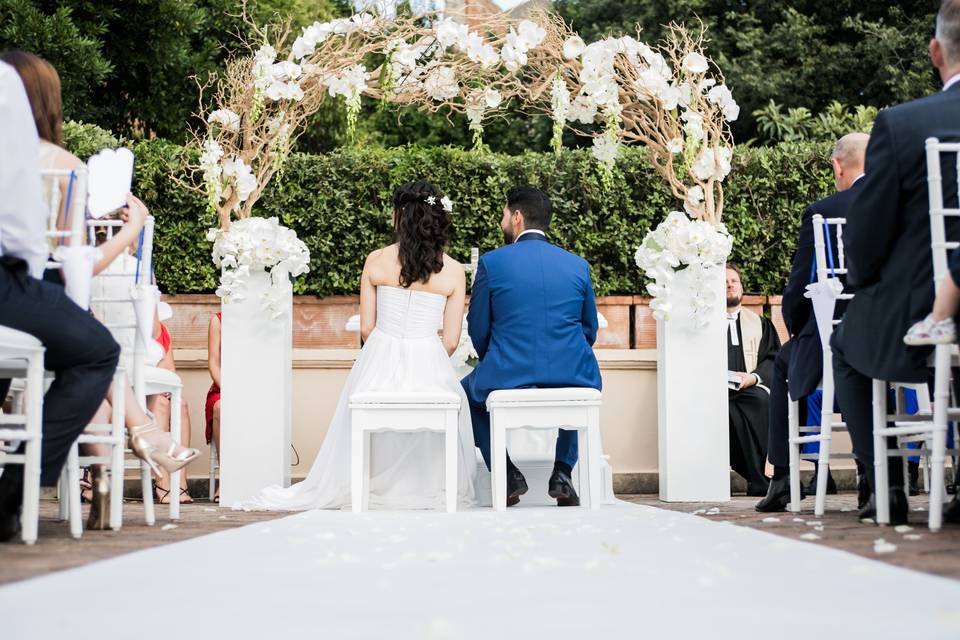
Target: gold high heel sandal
column 99, row 517
column 156, row 457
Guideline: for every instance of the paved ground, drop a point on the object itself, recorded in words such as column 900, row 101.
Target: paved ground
column 916, row 549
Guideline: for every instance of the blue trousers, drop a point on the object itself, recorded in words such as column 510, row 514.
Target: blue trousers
column 566, row 451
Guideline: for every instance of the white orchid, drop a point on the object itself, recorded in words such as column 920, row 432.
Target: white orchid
column 447, row 204
column 712, row 164
column 675, row 146
column 721, row 96
column 225, row 118
column 350, row 83
column 573, row 47
column 449, row 32
column 583, row 109
column 254, row 244
column 695, row 63
column 441, row 83
column 245, row 183
column 531, row 34
column 606, row 149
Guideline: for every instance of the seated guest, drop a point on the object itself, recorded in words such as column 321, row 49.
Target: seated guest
column 888, row 245
column 213, row 394
column 798, row 367
column 78, row 349
column 752, row 344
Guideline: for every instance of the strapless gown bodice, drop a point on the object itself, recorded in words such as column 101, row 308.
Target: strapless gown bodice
column 406, row 313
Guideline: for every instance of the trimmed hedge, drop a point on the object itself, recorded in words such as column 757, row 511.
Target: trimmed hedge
column 338, row 204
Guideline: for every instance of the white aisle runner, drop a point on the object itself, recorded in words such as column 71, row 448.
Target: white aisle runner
column 626, row 571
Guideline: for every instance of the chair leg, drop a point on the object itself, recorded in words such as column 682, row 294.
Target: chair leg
column 212, row 481
column 63, row 496
column 881, row 477
column 826, row 440
column 498, row 462
column 116, row 453
column 146, row 486
column 367, row 470
column 175, row 432
column 451, row 445
column 30, row 515
column 356, row 465
column 593, row 459
column 941, row 400
column 73, row 492
column 793, row 420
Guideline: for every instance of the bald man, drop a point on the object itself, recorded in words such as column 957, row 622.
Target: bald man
column 800, row 360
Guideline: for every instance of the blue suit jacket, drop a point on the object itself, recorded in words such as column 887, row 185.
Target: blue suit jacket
column 532, row 319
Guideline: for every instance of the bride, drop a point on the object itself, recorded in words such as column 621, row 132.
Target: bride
column 407, row 290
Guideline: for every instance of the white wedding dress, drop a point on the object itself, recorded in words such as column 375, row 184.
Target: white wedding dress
column 403, row 353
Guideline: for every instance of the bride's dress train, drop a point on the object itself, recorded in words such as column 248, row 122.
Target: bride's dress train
column 403, row 353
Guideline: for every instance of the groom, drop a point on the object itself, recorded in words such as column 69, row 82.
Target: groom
column 533, row 322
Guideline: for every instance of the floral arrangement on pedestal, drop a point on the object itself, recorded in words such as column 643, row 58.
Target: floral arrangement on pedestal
column 669, row 97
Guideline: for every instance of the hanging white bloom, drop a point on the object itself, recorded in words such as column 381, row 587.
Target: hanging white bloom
column 284, row 91
column 583, row 110
column 492, row 98
column 721, row 96
column 447, row 204
column 212, row 172
column 441, row 84
column 693, row 126
column 480, row 51
column 712, row 165
column 695, row 63
column 513, row 58
column 226, row 118
column 263, row 66
column 286, row 71
column 244, row 182
column 605, row 149
column 449, row 32
column 573, row 47
column 350, row 83
column 531, row 34
column 559, row 100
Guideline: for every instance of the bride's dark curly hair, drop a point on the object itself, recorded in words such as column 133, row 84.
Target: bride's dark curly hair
column 421, row 229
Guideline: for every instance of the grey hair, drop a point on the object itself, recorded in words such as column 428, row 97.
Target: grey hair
column 851, row 149
column 948, row 30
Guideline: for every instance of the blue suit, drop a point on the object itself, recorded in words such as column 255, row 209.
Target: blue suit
column 533, row 322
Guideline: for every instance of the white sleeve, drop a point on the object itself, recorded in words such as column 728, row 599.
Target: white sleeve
column 22, row 224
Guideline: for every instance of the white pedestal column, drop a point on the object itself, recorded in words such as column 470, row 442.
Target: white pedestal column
column 693, row 426
column 255, row 406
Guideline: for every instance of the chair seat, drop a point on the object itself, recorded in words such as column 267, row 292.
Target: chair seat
column 555, row 395
column 160, row 376
column 404, row 397
column 18, row 339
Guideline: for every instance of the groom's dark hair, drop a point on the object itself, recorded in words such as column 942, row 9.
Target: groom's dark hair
column 533, row 204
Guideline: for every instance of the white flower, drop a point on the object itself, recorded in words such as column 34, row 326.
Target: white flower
column 481, row 52
column 431, row 200
column 226, row 118
column 695, row 63
column 364, row 21
column 441, row 84
column 447, row 204
column 605, row 149
column 284, row 91
column 531, row 34
column 285, row 71
column 675, row 146
column 693, row 126
column 712, row 165
column 449, row 32
column 695, row 194
column 559, row 100
column 493, row 98
column 720, row 95
column 513, row 58
column 583, row 109
column 573, row 47
column 351, row 82
column 245, row 183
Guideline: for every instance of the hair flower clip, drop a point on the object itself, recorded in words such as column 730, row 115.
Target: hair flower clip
column 431, row 200
column 447, row 204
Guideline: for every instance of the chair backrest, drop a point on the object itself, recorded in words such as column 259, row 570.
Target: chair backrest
column 72, row 208
column 938, row 208
column 826, row 268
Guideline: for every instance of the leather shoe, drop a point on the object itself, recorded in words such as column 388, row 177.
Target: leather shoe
column 778, row 496
column 951, row 512
column 516, row 486
column 811, row 488
column 898, row 508
column 561, row 488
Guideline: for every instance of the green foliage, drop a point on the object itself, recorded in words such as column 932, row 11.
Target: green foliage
column 796, row 124
column 339, row 204
column 84, row 140
column 799, row 53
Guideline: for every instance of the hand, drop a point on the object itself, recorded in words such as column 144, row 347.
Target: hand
column 135, row 213
column 747, row 380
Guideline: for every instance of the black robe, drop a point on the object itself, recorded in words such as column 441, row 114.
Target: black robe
column 749, row 408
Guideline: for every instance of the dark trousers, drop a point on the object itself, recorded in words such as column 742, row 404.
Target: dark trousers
column 566, row 451
column 778, row 429
column 79, row 350
column 855, row 397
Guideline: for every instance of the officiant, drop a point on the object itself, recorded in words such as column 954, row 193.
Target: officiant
column 752, row 346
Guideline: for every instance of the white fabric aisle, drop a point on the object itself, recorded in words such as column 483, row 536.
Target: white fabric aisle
column 624, row 571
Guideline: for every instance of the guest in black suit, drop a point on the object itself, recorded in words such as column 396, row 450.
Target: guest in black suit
column 800, row 361
column 888, row 247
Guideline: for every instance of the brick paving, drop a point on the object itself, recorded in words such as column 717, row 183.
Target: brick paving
column 54, row 551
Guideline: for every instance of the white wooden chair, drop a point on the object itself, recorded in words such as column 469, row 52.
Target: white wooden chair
column 212, row 476
column 373, row 412
column 571, row 408
column 22, row 354
column 944, row 358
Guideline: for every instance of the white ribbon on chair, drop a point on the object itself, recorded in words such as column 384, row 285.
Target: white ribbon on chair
column 77, row 265
column 823, row 296
column 145, row 299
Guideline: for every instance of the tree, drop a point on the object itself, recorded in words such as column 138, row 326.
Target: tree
column 797, row 53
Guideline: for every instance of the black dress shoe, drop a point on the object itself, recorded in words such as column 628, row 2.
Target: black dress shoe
column 11, row 497
column 951, row 512
column 913, row 469
column 561, row 488
column 516, row 486
column 863, row 491
column 898, row 507
column 811, row 488
column 9, row 526
column 778, row 496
